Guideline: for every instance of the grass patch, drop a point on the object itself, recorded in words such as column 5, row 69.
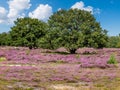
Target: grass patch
column 21, row 88
column 2, row 59
column 117, row 79
column 27, row 52
column 99, row 85
column 58, row 61
column 77, row 56
column 3, row 82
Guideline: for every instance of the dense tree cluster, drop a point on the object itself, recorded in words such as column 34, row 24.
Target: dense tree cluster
column 71, row 29
column 114, row 42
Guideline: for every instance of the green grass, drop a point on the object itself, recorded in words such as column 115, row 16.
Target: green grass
column 2, row 59
column 112, row 60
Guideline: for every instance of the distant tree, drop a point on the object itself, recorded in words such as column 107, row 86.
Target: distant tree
column 5, row 39
column 113, row 42
column 76, row 28
column 119, row 34
column 27, row 31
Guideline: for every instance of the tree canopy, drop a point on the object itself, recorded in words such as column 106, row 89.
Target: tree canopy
column 77, row 28
column 5, row 39
column 27, row 31
column 113, row 42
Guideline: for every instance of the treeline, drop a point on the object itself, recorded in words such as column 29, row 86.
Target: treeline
column 71, row 29
column 113, row 42
column 5, row 40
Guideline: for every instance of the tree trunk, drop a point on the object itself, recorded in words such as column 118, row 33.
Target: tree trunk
column 72, row 51
column 30, row 47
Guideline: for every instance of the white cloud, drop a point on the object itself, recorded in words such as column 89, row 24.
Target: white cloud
column 97, row 11
column 80, row 5
column 42, row 12
column 3, row 14
column 16, row 8
column 59, row 9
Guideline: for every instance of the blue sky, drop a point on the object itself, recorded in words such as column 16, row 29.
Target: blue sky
column 107, row 12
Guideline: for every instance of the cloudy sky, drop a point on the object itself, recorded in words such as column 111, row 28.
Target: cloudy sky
column 107, row 12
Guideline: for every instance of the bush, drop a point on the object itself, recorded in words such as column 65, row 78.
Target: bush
column 112, row 60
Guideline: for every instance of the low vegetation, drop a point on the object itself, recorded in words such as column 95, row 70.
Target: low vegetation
column 112, row 60
column 21, row 70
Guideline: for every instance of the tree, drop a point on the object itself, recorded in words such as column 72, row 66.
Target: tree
column 5, row 39
column 77, row 28
column 113, row 42
column 27, row 31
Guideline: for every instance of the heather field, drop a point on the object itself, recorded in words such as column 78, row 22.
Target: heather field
column 42, row 69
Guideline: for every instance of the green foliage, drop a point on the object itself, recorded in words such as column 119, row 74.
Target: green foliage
column 114, row 42
column 5, row 39
column 50, row 40
column 71, row 29
column 74, row 29
column 112, row 60
column 118, row 44
column 27, row 31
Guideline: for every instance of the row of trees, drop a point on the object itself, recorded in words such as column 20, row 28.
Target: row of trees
column 114, row 42
column 71, row 29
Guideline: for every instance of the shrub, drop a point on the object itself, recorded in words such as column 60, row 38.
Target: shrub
column 112, row 60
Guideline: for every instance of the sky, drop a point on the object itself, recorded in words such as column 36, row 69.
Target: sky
column 107, row 12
